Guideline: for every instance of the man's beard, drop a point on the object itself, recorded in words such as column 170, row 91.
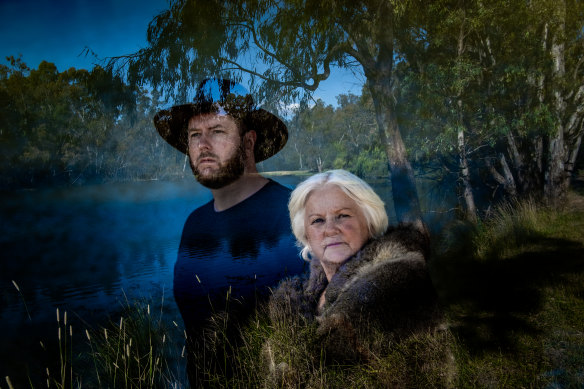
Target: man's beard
column 227, row 173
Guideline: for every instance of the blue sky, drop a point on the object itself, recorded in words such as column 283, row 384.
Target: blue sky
column 58, row 31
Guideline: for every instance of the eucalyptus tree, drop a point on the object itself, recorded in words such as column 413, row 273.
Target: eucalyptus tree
column 341, row 137
column 532, row 54
column 55, row 126
column 502, row 85
column 317, row 129
column 562, row 86
column 287, row 48
column 532, row 84
column 359, row 148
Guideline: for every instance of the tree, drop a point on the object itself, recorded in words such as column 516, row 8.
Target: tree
column 359, row 149
column 287, row 47
column 324, row 137
column 73, row 126
column 499, row 90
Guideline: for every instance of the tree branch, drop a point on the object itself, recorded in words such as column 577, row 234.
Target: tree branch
column 263, row 48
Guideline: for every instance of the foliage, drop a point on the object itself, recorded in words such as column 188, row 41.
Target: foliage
column 345, row 137
column 291, row 44
column 75, row 126
column 508, row 77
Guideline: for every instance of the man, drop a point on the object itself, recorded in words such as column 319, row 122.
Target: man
column 240, row 243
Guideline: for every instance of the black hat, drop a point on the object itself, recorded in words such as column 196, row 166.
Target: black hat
column 223, row 97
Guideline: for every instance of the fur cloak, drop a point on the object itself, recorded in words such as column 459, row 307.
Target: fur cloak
column 384, row 286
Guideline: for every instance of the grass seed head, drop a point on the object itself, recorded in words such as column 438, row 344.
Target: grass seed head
column 18, row 289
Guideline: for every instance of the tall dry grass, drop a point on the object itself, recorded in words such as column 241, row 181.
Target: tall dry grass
column 138, row 351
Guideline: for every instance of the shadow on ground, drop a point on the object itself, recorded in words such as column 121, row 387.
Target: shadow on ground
column 492, row 303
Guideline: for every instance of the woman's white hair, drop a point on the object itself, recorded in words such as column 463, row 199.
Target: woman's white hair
column 358, row 190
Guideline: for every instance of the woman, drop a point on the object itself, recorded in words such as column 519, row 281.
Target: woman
column 363, row 275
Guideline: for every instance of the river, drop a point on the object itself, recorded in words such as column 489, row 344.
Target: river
column 87, row 250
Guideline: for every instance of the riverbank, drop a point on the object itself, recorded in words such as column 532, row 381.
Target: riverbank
column 513, row 292
column 511, row 289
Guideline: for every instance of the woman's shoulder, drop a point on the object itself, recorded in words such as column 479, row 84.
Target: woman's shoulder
column 292, row 299
column 401, row 247
column 403, row 240
column 389, row 272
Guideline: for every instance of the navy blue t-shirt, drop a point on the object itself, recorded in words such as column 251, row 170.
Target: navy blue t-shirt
column 242, row 251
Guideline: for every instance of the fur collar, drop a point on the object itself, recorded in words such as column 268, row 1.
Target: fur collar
column 397, row 242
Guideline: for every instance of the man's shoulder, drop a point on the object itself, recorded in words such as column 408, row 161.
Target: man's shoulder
column 274, row 188
column 272, row 195
column 271, row 198
column 203, row 210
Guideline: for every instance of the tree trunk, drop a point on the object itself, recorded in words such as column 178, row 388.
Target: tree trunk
column 573, row 156
column 185, row 164
column 556, row 180
column 375, row 53
column 506, row 179
column 299, row 155
column 471, row 209
column 510, row 186
column 403, row 186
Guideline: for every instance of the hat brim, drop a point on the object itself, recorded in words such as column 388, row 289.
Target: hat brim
column 271, row 132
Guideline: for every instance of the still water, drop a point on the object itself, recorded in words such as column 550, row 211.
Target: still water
column 85, row 250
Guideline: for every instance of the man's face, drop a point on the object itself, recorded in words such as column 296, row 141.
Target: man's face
column 216, row 151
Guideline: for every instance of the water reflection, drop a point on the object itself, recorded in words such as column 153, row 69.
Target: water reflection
column 85, row 249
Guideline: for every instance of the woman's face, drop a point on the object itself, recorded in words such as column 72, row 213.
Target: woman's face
column 335, row 225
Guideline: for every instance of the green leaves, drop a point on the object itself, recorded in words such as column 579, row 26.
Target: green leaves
column 71, row 126
column 503, row 72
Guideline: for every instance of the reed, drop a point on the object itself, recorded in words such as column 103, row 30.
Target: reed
column 22, row 299
column 138, row 351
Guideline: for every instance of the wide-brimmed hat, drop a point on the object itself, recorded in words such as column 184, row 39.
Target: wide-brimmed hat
column 223, row 97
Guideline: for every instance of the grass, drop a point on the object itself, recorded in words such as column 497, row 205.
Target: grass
column 287, row 354
column 511, row 288
column 513, row 291
column 140, row 350
column 134, row 352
